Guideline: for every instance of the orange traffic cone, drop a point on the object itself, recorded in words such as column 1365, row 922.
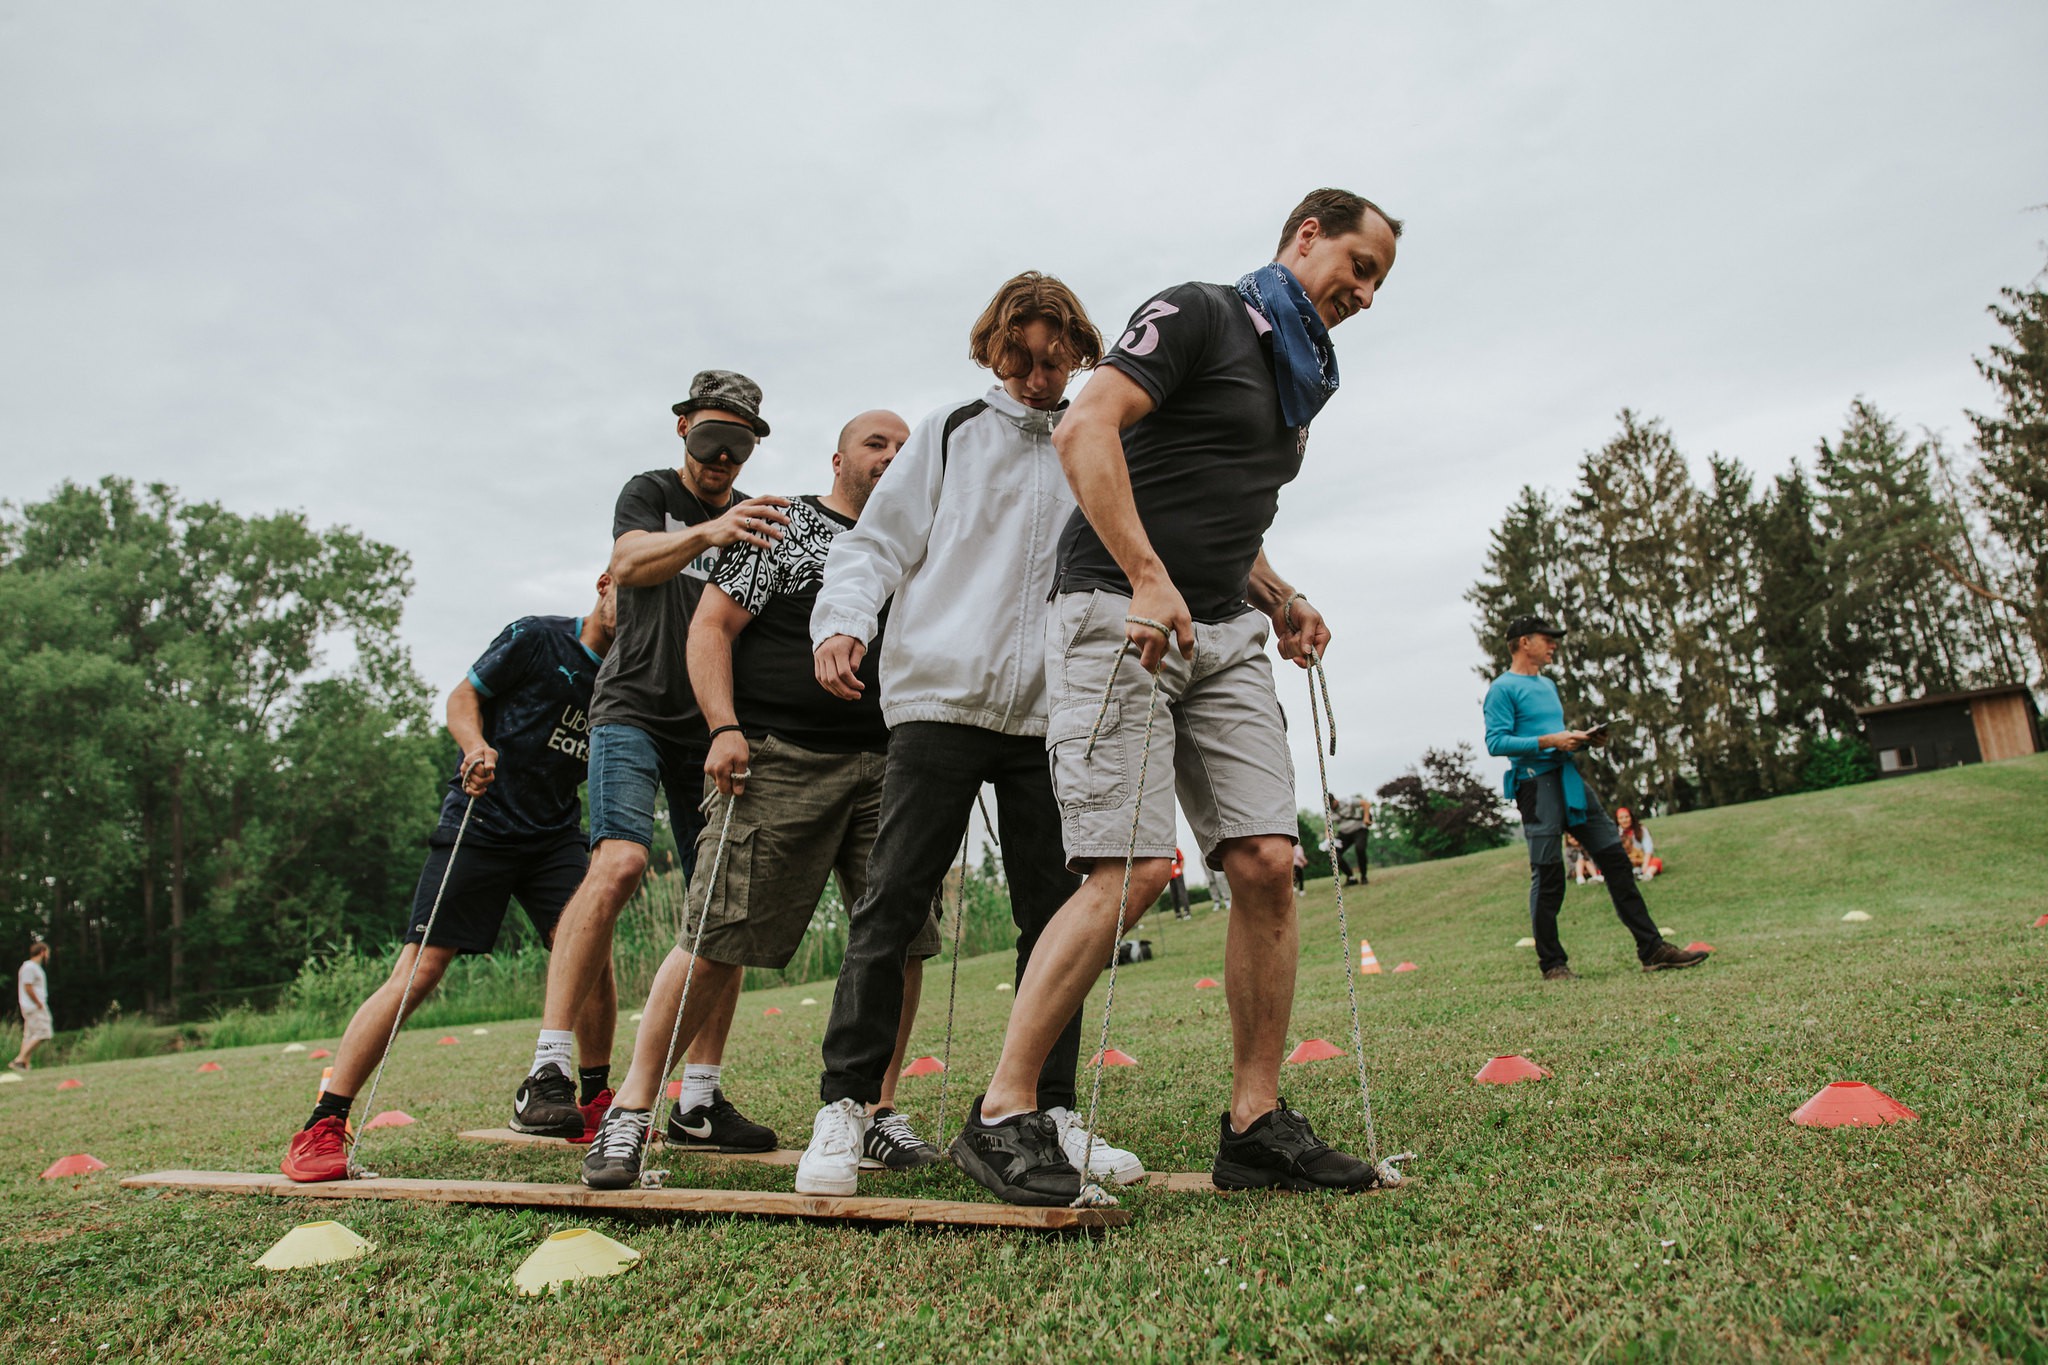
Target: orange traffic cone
column 326, row 1075
column 1507, row 1070
column 1367, row 963
column 1315, row 1050
column 924, row 1066
column 1112, row 1057
column 78, row 1163
column 1850, row 1104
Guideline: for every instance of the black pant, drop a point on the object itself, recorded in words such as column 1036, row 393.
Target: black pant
column 1544, row 823
column 1354, row 844
column 1179, row 889
column 935, row 771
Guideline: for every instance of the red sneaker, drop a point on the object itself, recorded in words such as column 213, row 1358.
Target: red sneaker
column 593, row 1115
column 318, row 1153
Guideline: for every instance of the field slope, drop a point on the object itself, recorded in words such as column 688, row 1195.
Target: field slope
column 1651, row 1202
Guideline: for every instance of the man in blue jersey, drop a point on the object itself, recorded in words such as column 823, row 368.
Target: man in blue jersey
column 1525, row 724
column 523, row 707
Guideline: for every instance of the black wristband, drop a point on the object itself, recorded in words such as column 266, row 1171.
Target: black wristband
column 735, row 729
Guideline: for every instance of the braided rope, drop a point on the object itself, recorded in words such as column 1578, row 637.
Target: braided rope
column 657, row 1121
column 953, row 989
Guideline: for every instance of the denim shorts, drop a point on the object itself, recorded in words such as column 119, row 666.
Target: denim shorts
column 627, row 767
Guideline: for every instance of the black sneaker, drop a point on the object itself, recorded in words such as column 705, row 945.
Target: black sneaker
column 613, row 1161
column 546, row 1106
column 1019, row 1160
column 1669, row 957
column 718, row 1127
column 1559, row 973
column 1280, row 1151
column 891, row 1146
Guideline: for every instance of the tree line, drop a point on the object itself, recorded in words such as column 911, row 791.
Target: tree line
column 1732, row 628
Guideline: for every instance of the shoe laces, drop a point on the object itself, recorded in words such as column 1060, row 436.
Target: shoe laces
column 621, row 1136
column 838, row 1130
column 723, row 1108
column 328, row 1136
column 896, row 1128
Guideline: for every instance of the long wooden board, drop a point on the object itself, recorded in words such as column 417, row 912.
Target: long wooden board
column 520, row 1194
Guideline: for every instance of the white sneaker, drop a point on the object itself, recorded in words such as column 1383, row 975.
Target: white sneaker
column 831, row 1164
column 1102, row 1161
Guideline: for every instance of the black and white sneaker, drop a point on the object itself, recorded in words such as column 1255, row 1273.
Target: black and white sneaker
column 1280, row 1151
column 613, row 1161
column 546, row 1105
column 718, row 1127
column 1019, row 1160
column 890, row 1145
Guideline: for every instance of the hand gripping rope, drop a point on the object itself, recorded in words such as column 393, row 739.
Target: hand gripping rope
column 355, row 1138
column 1389, row 1170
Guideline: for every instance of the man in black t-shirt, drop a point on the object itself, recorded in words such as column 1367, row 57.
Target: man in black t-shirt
column 646, row 735
column 805, row 769
column 1177, row 451
column 523, row 707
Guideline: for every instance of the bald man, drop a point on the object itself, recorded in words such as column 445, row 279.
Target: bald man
column 805, row 770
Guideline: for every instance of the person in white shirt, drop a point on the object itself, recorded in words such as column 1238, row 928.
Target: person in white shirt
column 32, row 993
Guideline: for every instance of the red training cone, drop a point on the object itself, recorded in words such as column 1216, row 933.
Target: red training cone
column 71, row 1084
column 447, row 1040
column 924, row 1066
column 317, row 1053
column 1113, row 1057
column 1850, row 1104
column 1405, row 967
column 390, row 1118
column 1207, row 983
column 771, row 1010
column 78, row 1163
column 209, row 1066
column 1315, row 1050
column 2041, row 923
column 1699, row 946
column 1507, row 1070
column 675, row 1090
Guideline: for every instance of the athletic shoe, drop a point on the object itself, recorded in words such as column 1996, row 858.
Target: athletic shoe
column 22, row 1067
column 318, row 1153
column 890, row 1145
column 718, row 1127
column 1102, row 1161
column 613, row 1161
column 593, row 1115
column 1669, row 957
column 1559, row 973
column 831, row 1164
column 1019, row 1160
column 1280, row 1151
column 546, row 1105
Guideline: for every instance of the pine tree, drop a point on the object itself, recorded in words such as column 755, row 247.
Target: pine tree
column 2011, row 480
column 1523, row 576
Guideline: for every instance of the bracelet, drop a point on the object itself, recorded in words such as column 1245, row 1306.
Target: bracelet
column 723, row 729
column 1287, row 608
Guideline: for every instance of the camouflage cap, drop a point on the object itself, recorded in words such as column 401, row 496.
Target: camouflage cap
column 728, row 391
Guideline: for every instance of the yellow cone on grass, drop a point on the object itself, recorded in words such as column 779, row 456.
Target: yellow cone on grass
column 310, row 1244
column 1525, row 943
column 570, row 1255
column 1856, row 917
column 294, row 1047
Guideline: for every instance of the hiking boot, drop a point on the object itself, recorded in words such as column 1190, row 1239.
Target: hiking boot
column 546, row 1105
column 593, row 1115
column 613, row 1161
column 318, row 1153
column 831, row 1164
column 1097, row 1160
column 1280, row 1151
column 1559, row 973
column 890, row 1145
column 1669, row 957
column 1019, row 1160
column 718, row 1127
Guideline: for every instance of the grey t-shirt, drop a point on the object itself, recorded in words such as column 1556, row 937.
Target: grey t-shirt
column 1208, row 462
column 645, row 680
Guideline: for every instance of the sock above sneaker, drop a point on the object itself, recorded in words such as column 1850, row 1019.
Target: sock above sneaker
column 699, row 1083
column 553, row 1049
column 592, row 1081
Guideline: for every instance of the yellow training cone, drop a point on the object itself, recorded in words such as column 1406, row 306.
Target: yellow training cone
column 570, row 1255
column 1525, row 943
column 313, row 1244
column 294, row 1047
column 1857, row 917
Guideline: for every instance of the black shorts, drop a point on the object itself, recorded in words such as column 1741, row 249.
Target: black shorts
column 543, row 876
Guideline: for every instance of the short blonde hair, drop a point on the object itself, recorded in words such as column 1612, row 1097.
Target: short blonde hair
column 997, row 341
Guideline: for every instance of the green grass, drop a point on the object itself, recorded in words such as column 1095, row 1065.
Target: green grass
column 1535, row 1227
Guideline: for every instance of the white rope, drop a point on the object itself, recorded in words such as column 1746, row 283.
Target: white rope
column 658, row 1129
column 355, row 1138
column 953, row 987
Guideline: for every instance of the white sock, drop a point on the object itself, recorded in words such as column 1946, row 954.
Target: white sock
column 989, row 1120
column 698, row 1083
column 553, row 1050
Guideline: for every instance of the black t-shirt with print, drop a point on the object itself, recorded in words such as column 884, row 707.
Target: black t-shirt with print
column 534, row 682
column 1208, row 462
column 645, row 681
column 774, row 686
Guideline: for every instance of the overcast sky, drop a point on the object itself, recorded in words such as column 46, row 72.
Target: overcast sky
column 437, row 272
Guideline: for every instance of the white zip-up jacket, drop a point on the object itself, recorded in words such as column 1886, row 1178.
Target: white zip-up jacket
column 963, row 531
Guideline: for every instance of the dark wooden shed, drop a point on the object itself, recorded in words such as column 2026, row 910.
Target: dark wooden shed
column 1959, row 727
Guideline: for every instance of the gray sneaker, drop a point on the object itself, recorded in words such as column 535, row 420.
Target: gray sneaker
column 613, row 1161
column 890, row 1145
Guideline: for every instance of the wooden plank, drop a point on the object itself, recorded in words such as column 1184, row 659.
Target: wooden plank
column 758, row 1203
column 787, row 1156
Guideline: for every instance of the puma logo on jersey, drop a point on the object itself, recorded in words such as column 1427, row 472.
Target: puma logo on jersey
column 571, row 674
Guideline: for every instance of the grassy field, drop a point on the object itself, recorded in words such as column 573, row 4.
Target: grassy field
column 1651, row 1202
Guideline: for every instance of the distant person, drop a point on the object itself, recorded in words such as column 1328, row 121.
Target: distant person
column 520, row 716
column 1525, row 724
column 1177, row 887
column 1300, row 869
column 32, row 993
column 1583, row 868
column 1635, row 837
column 1353, row 827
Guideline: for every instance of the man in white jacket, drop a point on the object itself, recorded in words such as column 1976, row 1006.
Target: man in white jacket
column 962, row 534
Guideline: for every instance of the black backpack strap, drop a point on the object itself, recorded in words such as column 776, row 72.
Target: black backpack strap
column 954, row 421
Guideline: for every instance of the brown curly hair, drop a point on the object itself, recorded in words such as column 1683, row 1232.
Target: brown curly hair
column 997, row 341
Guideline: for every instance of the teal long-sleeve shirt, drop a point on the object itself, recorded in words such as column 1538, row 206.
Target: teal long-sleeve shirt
column 1521, row 708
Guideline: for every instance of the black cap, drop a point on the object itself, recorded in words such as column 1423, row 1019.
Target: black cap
column 727, row 391
column 1533, row 625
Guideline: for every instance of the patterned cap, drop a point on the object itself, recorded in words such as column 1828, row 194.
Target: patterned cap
column 727, row 391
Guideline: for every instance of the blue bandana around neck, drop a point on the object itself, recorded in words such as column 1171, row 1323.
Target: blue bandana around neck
column 1304, row 361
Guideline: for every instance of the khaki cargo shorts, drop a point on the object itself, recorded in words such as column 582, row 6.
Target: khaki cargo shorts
column 1218, row 742
column 804, row 816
